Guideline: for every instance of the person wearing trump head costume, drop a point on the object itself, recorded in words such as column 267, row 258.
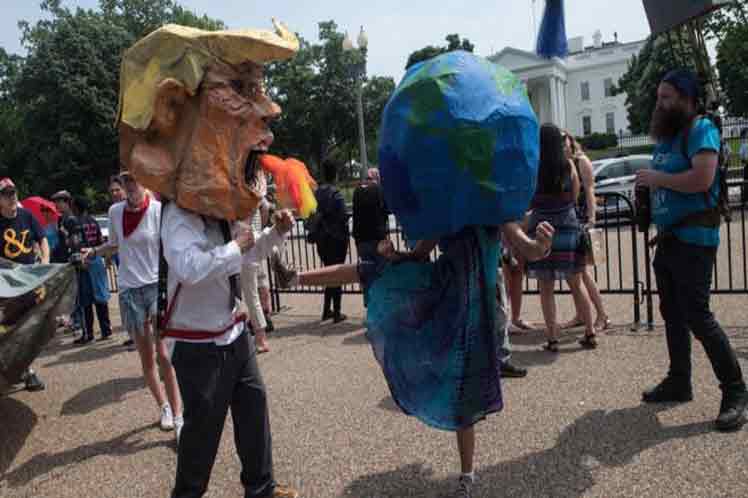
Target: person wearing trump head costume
column 193, row 122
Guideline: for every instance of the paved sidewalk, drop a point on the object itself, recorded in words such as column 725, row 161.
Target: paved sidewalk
column 574, row 427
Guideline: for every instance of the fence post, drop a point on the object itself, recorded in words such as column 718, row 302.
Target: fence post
column 274, row 292
column 635, row 257
column 648, row 284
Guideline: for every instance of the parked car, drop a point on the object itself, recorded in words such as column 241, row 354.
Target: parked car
column 617, row 175
column 103, row 222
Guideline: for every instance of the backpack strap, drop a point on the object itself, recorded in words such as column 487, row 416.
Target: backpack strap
column 163, row 313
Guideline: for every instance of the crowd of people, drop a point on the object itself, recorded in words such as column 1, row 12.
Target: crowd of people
column 439, row 328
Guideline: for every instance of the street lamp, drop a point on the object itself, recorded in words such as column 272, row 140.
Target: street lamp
column 359, row 71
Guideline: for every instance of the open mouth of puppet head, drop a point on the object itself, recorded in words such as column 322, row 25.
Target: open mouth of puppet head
column 252, row 166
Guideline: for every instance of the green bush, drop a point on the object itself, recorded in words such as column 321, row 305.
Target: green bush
column 598, row 141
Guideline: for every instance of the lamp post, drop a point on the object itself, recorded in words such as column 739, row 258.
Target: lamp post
column 359, row 71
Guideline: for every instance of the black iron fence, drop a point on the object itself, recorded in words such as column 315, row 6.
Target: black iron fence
column 626, row 270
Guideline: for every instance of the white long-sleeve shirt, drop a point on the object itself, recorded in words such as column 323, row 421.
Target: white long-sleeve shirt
column 202, row 262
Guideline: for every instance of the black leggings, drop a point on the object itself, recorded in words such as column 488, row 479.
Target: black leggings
column 332, row 251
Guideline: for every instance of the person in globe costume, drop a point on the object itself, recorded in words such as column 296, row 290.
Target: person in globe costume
column 458, row 160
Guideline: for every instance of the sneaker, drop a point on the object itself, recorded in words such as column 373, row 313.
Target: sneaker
column 339, row 317
column 327, row 315
column 509, row 370
column 281, row 491
column 167, row 418
column 83, row 340
column 128, row 343
column 668, row 391
column 286, row 277
column 33, row 383
column 178, row 425
column 466, row 487
column 732, row 411
column 270, row 327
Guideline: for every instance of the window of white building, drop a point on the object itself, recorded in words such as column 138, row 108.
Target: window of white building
column 586, row 125
column 610, row 122
column 585, row 88
column 608, row 84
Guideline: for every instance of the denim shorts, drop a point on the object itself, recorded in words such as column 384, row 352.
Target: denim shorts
column 137, row 305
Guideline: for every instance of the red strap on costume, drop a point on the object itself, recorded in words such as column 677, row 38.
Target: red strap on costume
column 200, row 335
column 193, row 335
column 131, row 219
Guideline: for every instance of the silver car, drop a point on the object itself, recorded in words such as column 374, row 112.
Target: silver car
column 103, row 222
column 617, row 175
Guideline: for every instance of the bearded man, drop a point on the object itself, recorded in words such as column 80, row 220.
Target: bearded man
column 193, row 120
column 685, row 189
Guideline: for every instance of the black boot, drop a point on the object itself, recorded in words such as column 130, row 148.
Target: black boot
column 668, row 391
column 732, row 411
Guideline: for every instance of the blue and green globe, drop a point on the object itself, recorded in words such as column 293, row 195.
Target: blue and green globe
column 459, row 146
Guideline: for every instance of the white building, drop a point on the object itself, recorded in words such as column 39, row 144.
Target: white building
column 574, row 92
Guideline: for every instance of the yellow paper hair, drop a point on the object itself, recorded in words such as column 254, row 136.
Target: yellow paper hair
column 295, row 186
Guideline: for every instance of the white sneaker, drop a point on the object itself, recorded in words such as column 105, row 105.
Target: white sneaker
column 178, row 424
column 167, row 418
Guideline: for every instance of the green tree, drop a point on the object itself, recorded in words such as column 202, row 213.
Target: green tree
column 732, row 15
column 732, row 52
column 453, row 43
column 317, row 93
column 58, row 104
column 644, row 74
column 140, row 17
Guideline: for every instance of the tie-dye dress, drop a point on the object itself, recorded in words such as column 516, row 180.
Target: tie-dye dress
column 432, row 328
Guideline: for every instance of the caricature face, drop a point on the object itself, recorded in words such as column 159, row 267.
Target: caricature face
column 206, row 161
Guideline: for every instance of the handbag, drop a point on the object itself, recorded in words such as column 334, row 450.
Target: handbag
column 592, row 246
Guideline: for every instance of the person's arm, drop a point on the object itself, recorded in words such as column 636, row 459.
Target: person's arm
column 588, row 184
column 42, row 249
column 530, row 249
column 269, row 238
column 421, row 250
column 41, row 246
column 340, row 207
column 574, row 180
column 184, row 243
column 698, row 178
column 108, row 248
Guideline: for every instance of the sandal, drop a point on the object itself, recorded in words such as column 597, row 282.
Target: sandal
column 551, row 345
column 603, row 324
column 522, row 325
column 576, row 322
column 588, row 341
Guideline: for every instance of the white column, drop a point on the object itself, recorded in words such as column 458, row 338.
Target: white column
column 553, row 100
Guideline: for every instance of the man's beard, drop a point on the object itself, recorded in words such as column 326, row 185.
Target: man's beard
column 666, row 124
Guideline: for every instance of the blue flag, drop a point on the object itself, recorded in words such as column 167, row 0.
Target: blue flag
column 552, row 34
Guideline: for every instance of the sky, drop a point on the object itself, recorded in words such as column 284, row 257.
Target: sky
column 395, row 28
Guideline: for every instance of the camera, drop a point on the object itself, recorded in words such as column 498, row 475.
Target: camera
column 643, row 207
column 76, row 259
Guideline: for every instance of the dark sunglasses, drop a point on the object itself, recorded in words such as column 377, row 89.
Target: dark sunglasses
column 8, row 192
